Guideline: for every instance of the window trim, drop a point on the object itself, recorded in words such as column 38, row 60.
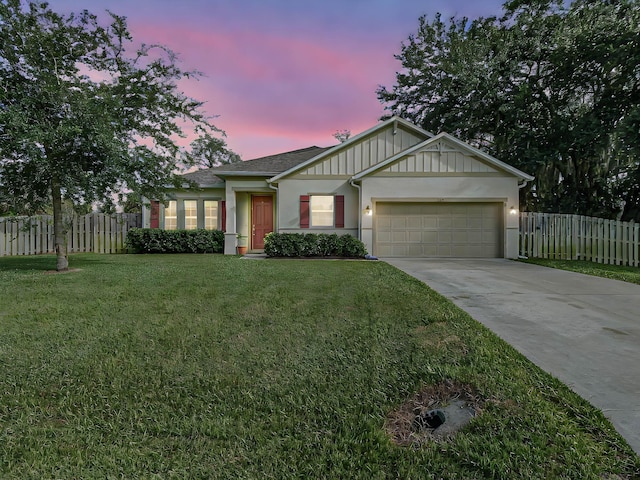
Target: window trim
column 332, row 211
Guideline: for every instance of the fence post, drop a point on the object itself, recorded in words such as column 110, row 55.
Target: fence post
column 636, row 245
column 619, row 243
column 606, row 243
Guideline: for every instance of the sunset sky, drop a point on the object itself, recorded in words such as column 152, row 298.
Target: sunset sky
column 284, row 74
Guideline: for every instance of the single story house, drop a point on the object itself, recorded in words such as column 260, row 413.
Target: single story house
column 402, row 190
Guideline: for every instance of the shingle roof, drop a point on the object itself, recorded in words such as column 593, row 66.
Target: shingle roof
column 272, row 164
column 269, row 166
column 203, row 177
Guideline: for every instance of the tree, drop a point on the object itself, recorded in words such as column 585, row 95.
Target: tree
column 342, row 135
column 84, row 114
column 546, row 88
column 208, row 151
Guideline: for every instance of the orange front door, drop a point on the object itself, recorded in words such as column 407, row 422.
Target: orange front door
column 261, row 219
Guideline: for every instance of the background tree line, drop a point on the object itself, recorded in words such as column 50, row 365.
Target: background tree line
column 551, row 89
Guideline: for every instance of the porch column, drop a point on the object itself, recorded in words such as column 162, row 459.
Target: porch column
column 230, row 235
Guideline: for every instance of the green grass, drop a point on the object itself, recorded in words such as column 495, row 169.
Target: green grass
column 208, row 366
column 616, row 272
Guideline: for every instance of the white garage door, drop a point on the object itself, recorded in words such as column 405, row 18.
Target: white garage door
column 438, row 230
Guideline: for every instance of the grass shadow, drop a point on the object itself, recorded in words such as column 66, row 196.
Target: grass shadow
column 44, row 263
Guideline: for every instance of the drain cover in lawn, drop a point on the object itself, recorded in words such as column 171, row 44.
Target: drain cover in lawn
column 435, row 413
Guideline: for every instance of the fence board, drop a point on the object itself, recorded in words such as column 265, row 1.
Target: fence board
column 576, row 237
column 96, row 233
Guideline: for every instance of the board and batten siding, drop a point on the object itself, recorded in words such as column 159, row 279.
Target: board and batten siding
column 439, row 158
column 365, row 153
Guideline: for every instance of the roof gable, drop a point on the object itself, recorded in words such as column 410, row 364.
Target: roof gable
column 361, row 151
column 443, row 154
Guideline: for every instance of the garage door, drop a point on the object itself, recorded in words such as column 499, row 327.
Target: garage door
column 438, row 230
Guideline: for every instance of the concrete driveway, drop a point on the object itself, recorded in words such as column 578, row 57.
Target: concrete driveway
column 584, row 330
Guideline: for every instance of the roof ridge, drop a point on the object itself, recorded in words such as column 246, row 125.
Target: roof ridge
column 286, row 153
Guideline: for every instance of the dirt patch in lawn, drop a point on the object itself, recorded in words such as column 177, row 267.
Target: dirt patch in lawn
column 435, row 413
column 56, row 272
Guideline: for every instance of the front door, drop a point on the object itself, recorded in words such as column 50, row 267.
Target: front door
column 261, row 219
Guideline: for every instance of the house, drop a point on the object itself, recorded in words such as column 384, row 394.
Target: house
column 402, row 190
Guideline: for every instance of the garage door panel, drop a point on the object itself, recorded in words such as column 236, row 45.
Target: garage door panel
column 398, row 223
column 414, row 237
column 462, row 223
column 430, row 222
column 399, row 237
column 474, row 236
column 445, row 222
column 438, row 229
column 444, row 236
column 414, row 221
column 384, row 237
column 429, row 250
column 489, row 237
column 430, row 237
column 477, row 223
column 384, row 222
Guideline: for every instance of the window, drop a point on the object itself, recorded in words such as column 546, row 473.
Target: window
column 211, row 215
column 171, row 216
column 322, row 210
column 190, row 214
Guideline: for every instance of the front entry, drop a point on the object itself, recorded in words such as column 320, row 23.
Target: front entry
column 261, row 219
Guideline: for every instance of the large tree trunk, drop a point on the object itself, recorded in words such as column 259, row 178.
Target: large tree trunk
column 62, row 262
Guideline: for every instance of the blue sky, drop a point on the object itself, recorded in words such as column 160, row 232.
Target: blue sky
column 284, row 74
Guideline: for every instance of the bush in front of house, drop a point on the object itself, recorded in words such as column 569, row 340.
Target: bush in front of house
column 313, row 245
column 154, row 240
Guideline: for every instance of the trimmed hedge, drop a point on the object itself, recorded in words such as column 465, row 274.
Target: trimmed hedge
column 313, row 245
column 154, row 240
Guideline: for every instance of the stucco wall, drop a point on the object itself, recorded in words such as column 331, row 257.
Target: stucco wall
column 289, row 191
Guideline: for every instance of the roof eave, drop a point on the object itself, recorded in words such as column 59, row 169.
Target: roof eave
column 246, row 174
column 212, row 185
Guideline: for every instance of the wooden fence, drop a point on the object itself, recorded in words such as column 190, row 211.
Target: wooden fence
column 96, row 232
column 575, row 237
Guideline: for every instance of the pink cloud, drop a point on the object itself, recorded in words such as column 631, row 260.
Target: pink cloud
column 275, row 86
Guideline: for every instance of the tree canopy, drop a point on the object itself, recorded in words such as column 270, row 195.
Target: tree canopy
column 85, row 112
column 209, row 151
column 551, row 89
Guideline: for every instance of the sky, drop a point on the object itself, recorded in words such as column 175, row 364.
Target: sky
column 284, row 74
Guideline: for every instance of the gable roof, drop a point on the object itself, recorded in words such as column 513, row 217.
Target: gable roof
column 459, row 144
column 282, row 164
column 329, row 151
column 269, row 165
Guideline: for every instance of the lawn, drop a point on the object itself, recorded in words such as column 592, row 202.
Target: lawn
column 617, row 272
column 209, row 366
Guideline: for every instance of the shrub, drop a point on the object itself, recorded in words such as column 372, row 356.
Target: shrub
column 313, row 245
column 153, row 240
